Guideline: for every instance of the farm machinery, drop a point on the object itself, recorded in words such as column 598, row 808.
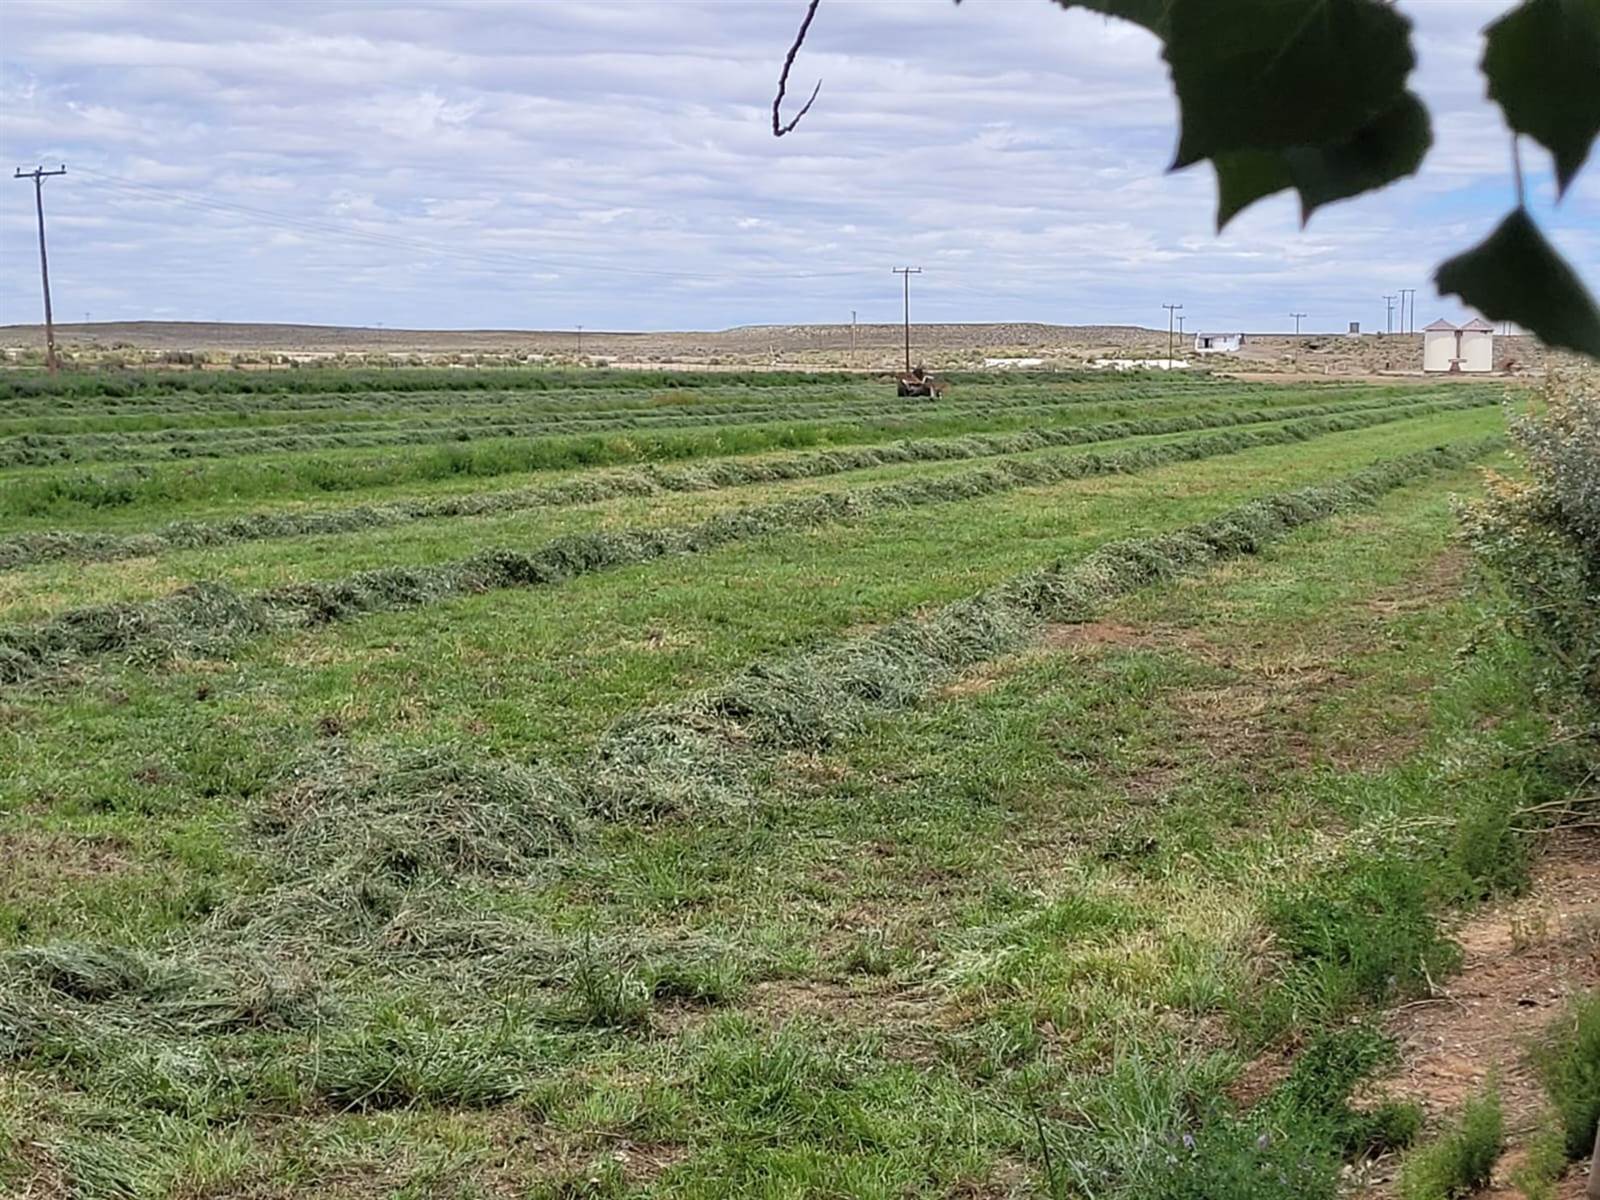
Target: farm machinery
column 919, row 381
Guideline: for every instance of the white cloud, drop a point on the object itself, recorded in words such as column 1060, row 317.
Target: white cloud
column 446, row 162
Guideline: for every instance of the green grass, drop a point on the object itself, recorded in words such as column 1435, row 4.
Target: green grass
column 210, row 615
column 27, row 549
column 1029, row 820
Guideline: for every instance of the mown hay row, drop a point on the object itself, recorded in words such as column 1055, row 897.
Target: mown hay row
column 708, row 750
column 382, row 411
column 22, row 388
column 27, row 549
column 368, row 854
column 59, row 449
column 207, row 618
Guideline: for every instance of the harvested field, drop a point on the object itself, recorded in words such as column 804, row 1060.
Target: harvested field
column 565, row 783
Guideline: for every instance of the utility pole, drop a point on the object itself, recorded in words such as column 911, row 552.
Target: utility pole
column 1388, row 315
column 852, row 337
column 39, row 175
column 1408, row 326
column 1172, row 310
column 1297, row 317
column 1180, row 329
column 906, row 273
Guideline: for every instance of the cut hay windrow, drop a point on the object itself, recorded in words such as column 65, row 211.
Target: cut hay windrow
column 253, row 416
column 53, row 393
column 310, row 412
column 133, row 485
column 27, row 549
column 36, row 449
column 709, row 749
column 208, row 618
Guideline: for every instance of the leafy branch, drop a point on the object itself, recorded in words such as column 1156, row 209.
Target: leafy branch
column 1311, row 95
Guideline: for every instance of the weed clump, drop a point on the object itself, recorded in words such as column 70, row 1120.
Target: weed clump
column 1361, row 930
column 1567, row 1058
column 1460, row 1160
column 400, row 1060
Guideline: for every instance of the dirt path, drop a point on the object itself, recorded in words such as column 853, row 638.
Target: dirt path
column 1523, row 961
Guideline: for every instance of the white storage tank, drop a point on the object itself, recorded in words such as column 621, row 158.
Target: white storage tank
column 1439, row 346
column 1477, row 346
column 1469, row 347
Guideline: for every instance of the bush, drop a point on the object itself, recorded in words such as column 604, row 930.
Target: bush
column 1541, row 535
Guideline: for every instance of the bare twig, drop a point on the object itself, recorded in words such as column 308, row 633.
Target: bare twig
column 1564, row 804
column 779, row 128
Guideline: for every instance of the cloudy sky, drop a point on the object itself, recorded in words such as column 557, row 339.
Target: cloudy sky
column 542, row 164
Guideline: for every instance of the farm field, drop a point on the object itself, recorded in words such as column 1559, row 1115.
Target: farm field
column 586, row 783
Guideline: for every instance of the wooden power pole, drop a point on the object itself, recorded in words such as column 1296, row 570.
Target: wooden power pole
column 1171, row 311
column 39, row 175
column 906, row 273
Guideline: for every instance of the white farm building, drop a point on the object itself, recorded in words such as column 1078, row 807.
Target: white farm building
column 1218, row 343
column 1447, row 347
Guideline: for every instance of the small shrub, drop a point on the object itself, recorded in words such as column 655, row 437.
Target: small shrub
column 1461, row 1159
column 1541, row 1167
column 1567, row 1059
column 1486, row 856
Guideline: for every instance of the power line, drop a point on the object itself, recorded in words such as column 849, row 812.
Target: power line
column 1171, row 310
column 39, row 175
column 1297, row 317
column 1388, row 316
column 1408, row 326
column 906, row 273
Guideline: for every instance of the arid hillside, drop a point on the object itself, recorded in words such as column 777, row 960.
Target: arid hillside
column 876, row 347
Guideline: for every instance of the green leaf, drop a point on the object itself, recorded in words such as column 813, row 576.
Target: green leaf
column 1275, row 74
column 1245, row 176
column 1151, row 14
column 1516, row 275
column 1386, row 149
column 1543, row 64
